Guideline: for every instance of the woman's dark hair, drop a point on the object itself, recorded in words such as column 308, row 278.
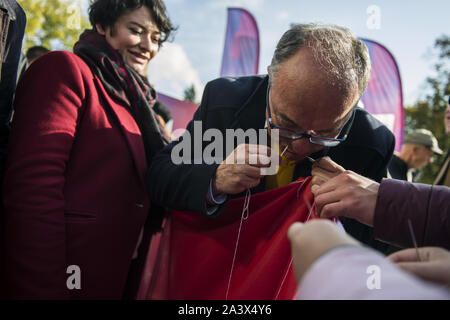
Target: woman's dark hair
column 107, row 12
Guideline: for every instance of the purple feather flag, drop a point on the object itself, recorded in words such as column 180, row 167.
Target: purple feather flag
column 384, row 95
column 241, row 53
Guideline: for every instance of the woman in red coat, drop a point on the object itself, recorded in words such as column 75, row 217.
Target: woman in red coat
column 82, row 136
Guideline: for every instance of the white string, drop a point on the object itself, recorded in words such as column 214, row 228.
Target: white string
column 292, row 259
column 284, row 278
column 300, row 188
column 245, row 211
column 244, row 216
column 310, row 208
column 285, row 149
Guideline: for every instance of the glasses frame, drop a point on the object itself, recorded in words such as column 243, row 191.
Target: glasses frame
column 297, row 135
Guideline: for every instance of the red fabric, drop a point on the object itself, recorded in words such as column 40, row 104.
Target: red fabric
column 74, row 191
column 196, row 252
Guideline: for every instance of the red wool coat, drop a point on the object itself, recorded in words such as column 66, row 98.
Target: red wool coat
column 74, row 191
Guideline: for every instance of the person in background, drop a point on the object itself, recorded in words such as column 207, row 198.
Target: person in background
column 23, row 66
column 443, row 177
column 83, row 135
column 35, row 52
column 27, row 59
column 417, row 151
column 330, row 264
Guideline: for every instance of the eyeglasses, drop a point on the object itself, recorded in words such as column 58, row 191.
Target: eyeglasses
column 293, row 135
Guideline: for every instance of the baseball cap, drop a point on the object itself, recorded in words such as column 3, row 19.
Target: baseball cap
column 425, row 138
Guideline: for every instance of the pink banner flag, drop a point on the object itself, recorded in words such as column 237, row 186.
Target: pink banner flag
column 182, row 112
column 241, row 53
column 384, row 95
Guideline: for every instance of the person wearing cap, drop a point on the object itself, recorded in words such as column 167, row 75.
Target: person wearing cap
column 443, row 177
column 417, row 151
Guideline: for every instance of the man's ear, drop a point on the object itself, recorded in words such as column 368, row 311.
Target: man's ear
column 268, row 69
column 100, row 29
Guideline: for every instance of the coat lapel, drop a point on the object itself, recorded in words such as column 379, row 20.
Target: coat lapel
column 129, row 129
column 252, row 114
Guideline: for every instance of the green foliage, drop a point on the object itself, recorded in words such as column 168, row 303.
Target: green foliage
column 55, row 24
column 428, row 113
column 190, row 94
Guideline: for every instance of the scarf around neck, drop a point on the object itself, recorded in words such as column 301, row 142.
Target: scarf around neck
column 125, row 86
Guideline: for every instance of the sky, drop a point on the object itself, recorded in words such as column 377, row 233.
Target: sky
column 407, row 28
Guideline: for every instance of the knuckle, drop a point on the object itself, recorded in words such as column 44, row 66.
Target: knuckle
column 318, row 200
column 327, row 212
column 347, row 176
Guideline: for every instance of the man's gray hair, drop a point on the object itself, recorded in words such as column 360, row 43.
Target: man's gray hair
column 343, row 57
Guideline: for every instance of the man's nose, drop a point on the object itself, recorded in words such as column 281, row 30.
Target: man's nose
column 302, row 146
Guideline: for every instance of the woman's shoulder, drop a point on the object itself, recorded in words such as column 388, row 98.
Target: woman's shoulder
column 56, row 70
column 63, row 59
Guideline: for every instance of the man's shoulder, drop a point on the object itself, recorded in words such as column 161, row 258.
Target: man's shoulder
column 367, row 131
column 365, row 118
column 398, row 168
column 397, row 163
column 230, row 91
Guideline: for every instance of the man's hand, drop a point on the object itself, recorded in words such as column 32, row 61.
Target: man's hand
column 347, row 194
column 241, row 170
column 311, row 240
column 325, row 169
column 435, row 264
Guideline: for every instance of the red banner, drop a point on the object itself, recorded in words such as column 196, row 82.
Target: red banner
column 182, row 111
column 200, row 258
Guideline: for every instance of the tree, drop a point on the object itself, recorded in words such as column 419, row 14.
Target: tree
column 190, row 94
column 428, row 113
column 55, row 24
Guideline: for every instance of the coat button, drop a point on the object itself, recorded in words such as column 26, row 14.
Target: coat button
column 140, row 205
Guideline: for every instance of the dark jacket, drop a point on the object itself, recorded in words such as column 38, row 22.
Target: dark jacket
column 14, row 16
column 231, row 103
column 442, row 177
column 428, row 208
column 398, row 169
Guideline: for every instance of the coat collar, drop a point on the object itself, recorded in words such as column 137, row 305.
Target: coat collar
column 252, row 114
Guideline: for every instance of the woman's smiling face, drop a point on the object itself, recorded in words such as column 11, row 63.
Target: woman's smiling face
column 136, row 37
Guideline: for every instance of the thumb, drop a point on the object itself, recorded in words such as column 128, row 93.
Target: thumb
column 294, row 229
column 424, row 270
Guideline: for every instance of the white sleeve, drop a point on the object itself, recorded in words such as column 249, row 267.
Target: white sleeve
column 358, row 273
